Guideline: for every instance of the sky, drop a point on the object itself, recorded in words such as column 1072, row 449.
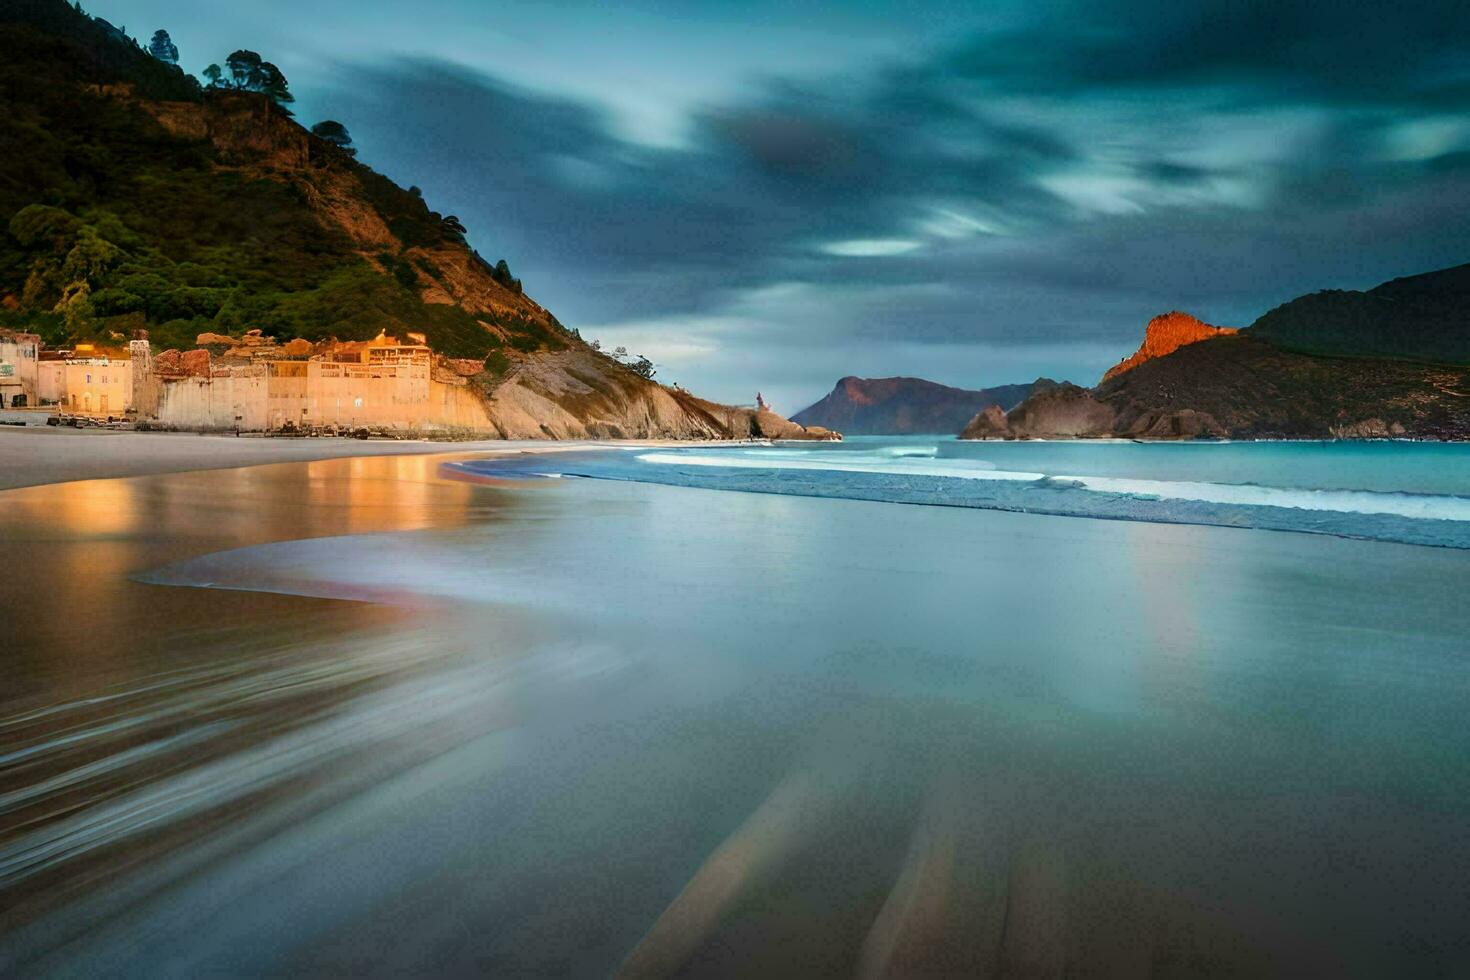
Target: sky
column 766, row 195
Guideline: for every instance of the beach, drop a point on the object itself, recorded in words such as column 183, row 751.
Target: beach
column 368, row 716
column 37, row 455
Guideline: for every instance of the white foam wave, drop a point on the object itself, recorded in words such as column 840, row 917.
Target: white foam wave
column 910, row 465
column 1419, row 506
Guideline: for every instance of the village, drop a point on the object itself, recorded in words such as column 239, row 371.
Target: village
column 251, row 383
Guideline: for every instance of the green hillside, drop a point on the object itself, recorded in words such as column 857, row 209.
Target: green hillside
column 110, row 222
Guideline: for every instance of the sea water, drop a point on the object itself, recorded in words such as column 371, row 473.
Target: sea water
column 1417, row 493
column 679, row 728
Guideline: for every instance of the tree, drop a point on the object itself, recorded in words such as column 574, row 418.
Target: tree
column 248, row 73
column 335, row 133
column 453, row 225
column 214, row 76
column 163, row 48
column 273, row 84
column 644, row 367
column 244, row 69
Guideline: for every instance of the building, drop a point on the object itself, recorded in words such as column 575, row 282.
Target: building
column 381, row 384
column 253, row 385
column 96, row 381
column 19, row 369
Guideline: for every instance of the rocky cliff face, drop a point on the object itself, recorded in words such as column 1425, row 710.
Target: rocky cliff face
column 577, row 394
column 988, row 424
column 904, row 406
column 1164, row 335
column 1063, row 411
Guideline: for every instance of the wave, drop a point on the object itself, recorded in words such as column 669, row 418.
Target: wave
column 1438, row 520
column 1396, row 503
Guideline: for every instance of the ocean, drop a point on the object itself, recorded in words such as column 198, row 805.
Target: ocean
column 885, row 707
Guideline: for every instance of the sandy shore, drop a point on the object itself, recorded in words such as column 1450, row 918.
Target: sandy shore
column 35, row 455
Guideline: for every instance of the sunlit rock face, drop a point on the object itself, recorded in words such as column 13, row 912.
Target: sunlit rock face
column 1165, row 334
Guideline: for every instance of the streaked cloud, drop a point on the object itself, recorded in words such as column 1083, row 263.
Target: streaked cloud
column 872, row 247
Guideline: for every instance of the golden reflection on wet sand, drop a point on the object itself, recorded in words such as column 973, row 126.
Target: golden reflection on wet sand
column 113, row 684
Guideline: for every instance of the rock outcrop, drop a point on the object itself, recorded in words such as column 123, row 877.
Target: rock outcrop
column 1164, row 335
column 1065, row 411
column 988, row 424
column 579, row 394
column 904, row 406
column 1056, row 411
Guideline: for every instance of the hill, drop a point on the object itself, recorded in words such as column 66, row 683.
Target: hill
column 1424, row 317
column 131, row 198
column 903, row 406
column 1387, row 362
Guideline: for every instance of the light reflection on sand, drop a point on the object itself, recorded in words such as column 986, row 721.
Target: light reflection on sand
column 129, row 707
column 699, row 733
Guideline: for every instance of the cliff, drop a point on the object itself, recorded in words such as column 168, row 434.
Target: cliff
column 572, row 395
column 139, row 201
column 1164, row 335
column 903, row 406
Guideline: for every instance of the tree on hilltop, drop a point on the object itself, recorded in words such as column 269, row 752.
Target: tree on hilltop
column 163, row 48
column 335, row 133
column 249, row 73
column 244, row 69
column 273, row 84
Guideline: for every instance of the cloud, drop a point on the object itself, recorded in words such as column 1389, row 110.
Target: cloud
column 1027, row 197
column 872, row 247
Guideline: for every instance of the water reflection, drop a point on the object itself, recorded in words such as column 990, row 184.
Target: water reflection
column 129, row 707
column 674, row 732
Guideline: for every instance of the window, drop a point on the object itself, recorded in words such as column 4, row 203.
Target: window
column 89, row 377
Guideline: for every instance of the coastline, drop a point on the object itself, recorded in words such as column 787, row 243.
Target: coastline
column 35, row 456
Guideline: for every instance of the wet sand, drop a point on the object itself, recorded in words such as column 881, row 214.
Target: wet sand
column 581, row 726
column 113, row 686
column 37, row 455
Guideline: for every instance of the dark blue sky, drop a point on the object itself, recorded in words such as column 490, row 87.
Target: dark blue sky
column 759, row 196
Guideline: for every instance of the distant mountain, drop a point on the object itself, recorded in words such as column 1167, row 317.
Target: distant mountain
column 1424, row 317
column 904, row 406
column 1393, row 361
